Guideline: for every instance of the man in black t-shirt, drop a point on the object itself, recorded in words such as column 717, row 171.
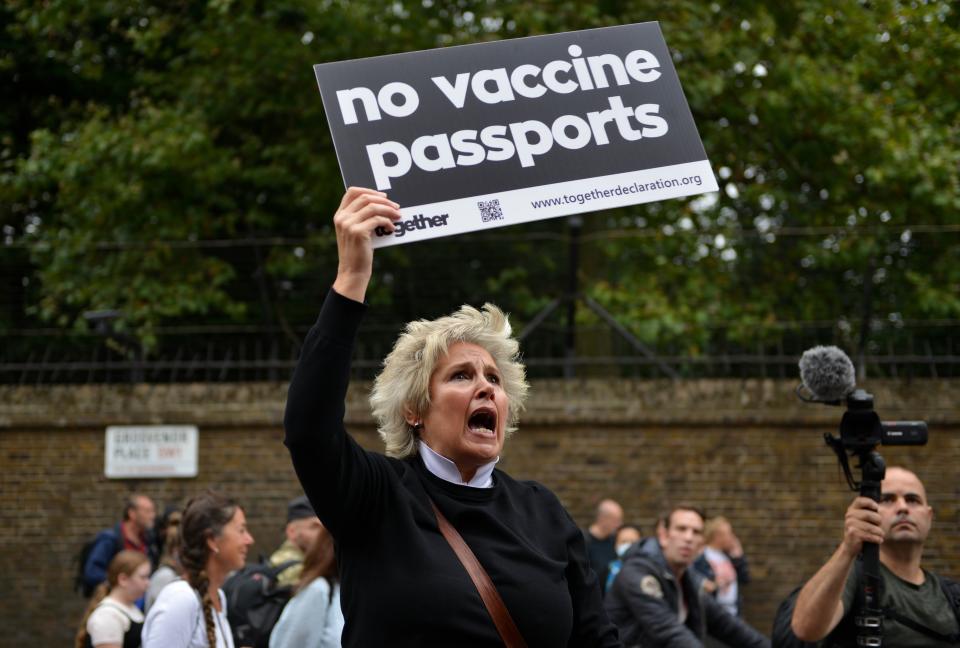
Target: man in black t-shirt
column 923, row 614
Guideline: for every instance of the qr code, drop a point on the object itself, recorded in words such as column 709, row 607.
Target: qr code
column 490, row 210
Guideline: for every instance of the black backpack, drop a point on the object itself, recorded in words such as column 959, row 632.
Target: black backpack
column 79, row 583
column 782, row 635
column 255, row 601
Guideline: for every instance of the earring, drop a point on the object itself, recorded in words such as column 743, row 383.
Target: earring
column 216, row 550
column 417, row 426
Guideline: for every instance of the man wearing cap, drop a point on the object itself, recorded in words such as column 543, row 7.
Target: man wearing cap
column 303, row 527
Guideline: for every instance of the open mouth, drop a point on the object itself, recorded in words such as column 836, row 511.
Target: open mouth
column 483, row 421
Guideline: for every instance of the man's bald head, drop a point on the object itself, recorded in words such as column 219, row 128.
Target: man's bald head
column 899, row 473
column 609, row 517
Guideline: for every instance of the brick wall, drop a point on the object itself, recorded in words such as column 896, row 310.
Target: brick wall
column 746, row 449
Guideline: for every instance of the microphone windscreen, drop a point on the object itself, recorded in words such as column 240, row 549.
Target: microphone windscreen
column 828, row 373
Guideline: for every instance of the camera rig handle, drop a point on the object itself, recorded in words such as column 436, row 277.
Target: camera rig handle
column 869, row 614
column 869, row 618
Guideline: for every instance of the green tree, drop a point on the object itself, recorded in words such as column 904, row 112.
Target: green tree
column 172, row 161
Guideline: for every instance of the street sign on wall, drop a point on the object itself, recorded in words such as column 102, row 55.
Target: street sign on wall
column 150, row 451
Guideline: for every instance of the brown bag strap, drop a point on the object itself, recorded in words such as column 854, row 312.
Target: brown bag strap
column 491, row 597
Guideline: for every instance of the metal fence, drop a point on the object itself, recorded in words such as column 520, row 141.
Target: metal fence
column 550, row 349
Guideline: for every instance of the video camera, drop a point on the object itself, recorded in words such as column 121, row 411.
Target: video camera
column 827, row 377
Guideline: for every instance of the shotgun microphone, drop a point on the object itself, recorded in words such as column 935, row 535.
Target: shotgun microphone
column 827, row 374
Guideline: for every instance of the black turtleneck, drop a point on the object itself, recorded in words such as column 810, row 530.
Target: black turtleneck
column 402, row 585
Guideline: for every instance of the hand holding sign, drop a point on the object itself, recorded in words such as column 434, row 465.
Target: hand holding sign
column 361, row 212
column 493, row 134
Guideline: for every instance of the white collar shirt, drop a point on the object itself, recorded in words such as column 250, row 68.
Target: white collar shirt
column 447, row 470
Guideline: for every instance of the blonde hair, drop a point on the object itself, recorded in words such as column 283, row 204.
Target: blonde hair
column 404, row 382
column 712, row 526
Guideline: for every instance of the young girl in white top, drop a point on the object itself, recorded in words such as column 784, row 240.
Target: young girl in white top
column 112, row 620
column 192, row 613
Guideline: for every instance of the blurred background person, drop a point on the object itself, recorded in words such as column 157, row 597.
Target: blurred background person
column 192, row 613
column 600, row 535
column 724, row 564
column 112, row 620
column 302, row 529
column 625, row 537
column 657, row 600
column 133, row 533
column 170, row 511
column 170, row 568
column 312, row 618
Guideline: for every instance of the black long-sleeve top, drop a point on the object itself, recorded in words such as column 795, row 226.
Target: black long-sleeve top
column 402, row 585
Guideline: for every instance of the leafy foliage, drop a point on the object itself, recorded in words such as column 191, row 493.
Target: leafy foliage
column 171, row 160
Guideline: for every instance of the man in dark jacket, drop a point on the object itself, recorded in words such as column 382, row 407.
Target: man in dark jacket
column 134, row 532
column 656, row 600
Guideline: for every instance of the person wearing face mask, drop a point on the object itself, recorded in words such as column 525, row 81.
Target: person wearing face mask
column 625, row 537
column 436, row 545
column 112, row 619
column 657, row 600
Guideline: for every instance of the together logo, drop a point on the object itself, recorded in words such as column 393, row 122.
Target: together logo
column 417, row 222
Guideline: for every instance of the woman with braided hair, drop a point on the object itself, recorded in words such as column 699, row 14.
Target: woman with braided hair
column 112, row 619
column 192, row 613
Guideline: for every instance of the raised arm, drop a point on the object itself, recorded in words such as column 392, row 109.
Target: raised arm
column 360, row 213
column 739, row 559
column 336, row 474
column 819, row 606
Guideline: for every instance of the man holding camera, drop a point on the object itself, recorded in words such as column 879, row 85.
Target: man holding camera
column 920, row 609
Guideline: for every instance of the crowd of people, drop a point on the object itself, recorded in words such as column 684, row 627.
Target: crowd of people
column 680, row 585
column 164, row 586
column 675, row 587
column 430, row 543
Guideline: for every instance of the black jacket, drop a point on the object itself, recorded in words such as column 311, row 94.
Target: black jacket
column 643, row 604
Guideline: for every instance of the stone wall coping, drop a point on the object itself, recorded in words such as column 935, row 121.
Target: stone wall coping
column 605, row 402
